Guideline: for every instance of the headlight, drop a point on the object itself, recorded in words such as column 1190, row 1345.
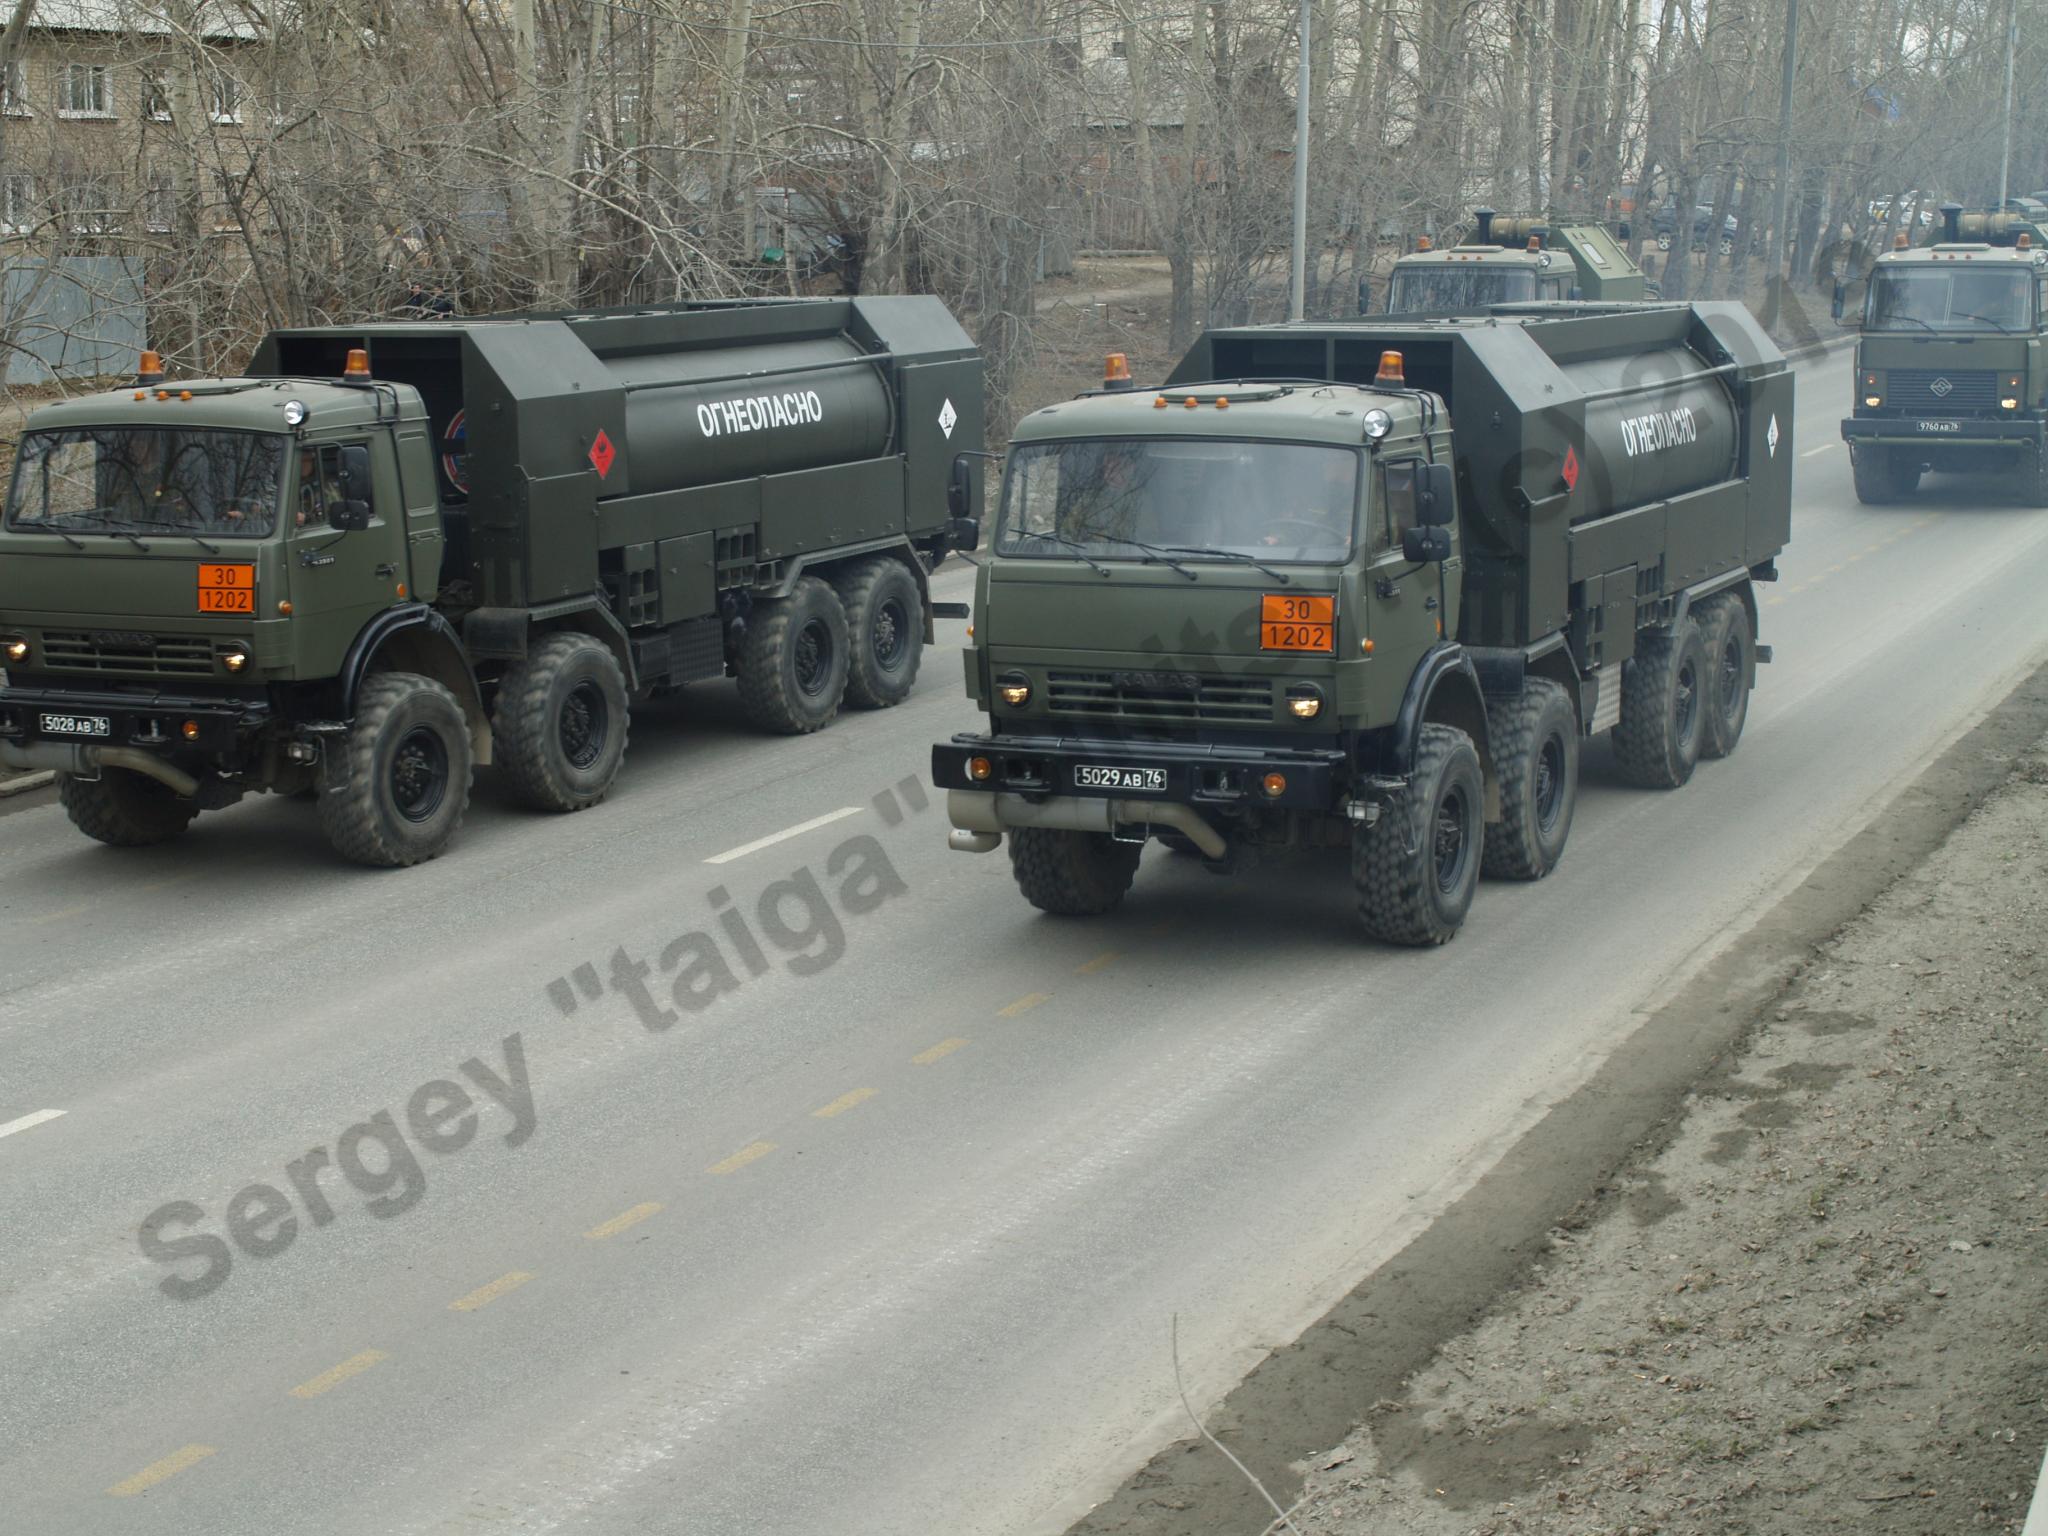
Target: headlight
column 1304, row 701
column 15, row 649
column 1873, row 401
column 295, row 412
column 1014, row 688
column 235, row 659
column 1378, row 424
column 2008, row 404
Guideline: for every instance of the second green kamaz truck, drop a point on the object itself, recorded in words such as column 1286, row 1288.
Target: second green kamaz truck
column 392, row 552
column 1368, row 586
column 1951, row 369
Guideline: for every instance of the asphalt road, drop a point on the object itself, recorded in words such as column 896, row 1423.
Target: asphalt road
column 890, row 1236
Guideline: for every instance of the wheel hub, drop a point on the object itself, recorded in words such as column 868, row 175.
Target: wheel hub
column 584, row 724
column 813, row 657
column 419, row 774
column 891, row 634
column 1449, row 847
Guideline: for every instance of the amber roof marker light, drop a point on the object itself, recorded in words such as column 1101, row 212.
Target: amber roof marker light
column 1390, row 369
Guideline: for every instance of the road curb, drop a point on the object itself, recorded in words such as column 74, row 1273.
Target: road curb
column 25, row 783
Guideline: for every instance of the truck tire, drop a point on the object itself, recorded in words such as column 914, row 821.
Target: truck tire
column 885, row 632
column 792, row 664
column 1072, row 874
column 397, row 794
column 1730, row 647
column 2033, row 478
column 124, row 809
column 1535, row 741
column 1663, row 708
column 560, row 723
column 1883, row 475
column 1415, row 869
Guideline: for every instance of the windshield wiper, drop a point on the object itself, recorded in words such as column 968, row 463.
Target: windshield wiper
column 1067, row 543
column 1925, row 325
column 1966, row 315
column 1239, row 556
column 1154, row 555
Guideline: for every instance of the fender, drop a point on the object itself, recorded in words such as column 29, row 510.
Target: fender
column 839, row 555
column 422, row 641
column 1445, row 686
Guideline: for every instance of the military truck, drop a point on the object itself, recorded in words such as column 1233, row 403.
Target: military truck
column 392, row 552
column 1281, row 600
column 1949, row 372
column 1513, row 260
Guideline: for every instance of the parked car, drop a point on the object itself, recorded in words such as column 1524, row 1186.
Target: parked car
column 1664, row 226
column 1881, row 208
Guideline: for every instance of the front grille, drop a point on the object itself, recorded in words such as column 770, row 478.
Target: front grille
column 1142, row 697
column 1939, row 390
column 151, row 655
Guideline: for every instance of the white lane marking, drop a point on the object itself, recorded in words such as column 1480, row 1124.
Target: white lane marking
column 1823, row 448
column 29, row 1122
column 784, row 835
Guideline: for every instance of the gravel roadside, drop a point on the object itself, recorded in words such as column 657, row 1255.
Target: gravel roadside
column 1823, row 1302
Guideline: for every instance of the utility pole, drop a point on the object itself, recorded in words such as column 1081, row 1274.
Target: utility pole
column 2012, row 43
column 1781, row 198
column 1297, row 292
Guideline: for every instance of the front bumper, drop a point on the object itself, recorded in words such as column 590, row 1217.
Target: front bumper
column 1945, row 431
column 154, row 723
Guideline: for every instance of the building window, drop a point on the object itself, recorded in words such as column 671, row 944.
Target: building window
column 226, row 95
column 14, row 91
column 86, row 92
column 17, row 202
column 87, row 203
column 156, row 95
column 158, row 203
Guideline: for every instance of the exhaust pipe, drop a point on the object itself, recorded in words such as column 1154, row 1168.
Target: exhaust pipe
column 1951, row 222
column 991, row 812
column 86, row 762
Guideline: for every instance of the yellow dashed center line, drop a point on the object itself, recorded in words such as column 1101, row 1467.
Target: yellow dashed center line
column 157, row 1471
column 843, row 1103
column 1107, row 958
column 484, row 1295
column 1024, row 1004
column 943, row 1048
column 624, row 1219
column 327, row 1381
column 752, row 1152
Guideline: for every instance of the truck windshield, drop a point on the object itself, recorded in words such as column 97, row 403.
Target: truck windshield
column 148, row 480
column 1106, row 500
column 1925, row 299
column 1457, row 289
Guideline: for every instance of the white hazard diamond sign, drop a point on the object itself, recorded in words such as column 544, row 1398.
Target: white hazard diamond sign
column 948, row 418
column 1771, row 437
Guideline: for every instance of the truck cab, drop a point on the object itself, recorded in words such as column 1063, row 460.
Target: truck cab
column 1949, row 370
column 1512, row 260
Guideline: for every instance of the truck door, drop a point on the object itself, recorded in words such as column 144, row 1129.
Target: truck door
column 1406, row 602
column 338, row 580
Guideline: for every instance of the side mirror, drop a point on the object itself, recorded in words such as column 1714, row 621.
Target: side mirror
column 1426, row 546
column 1835, row 307
column 963, row 533
column 348, row 515
column 960, row 487
column 355, row 473
column 1436, row 502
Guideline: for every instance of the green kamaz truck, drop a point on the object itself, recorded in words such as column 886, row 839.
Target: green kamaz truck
column 1512, row 260
column 1368, row 586
column 393, row 552
column 1951, row 369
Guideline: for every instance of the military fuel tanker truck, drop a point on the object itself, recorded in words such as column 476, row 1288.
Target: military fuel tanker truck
column 391, row 552
column 1950, row 371
column 1511, row 260
column 1368, row 586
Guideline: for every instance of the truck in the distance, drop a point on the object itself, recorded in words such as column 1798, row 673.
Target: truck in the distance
column 393, row 552
column 1368, row 586
column 1513, row 259
column 1948, row 373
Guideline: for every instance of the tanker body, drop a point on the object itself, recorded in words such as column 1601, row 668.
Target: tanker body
column 1281, row 599
column 392, row 552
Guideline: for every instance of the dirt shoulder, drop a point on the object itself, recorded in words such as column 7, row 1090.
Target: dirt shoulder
column 1824, row 1302
column 1782, row 1264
